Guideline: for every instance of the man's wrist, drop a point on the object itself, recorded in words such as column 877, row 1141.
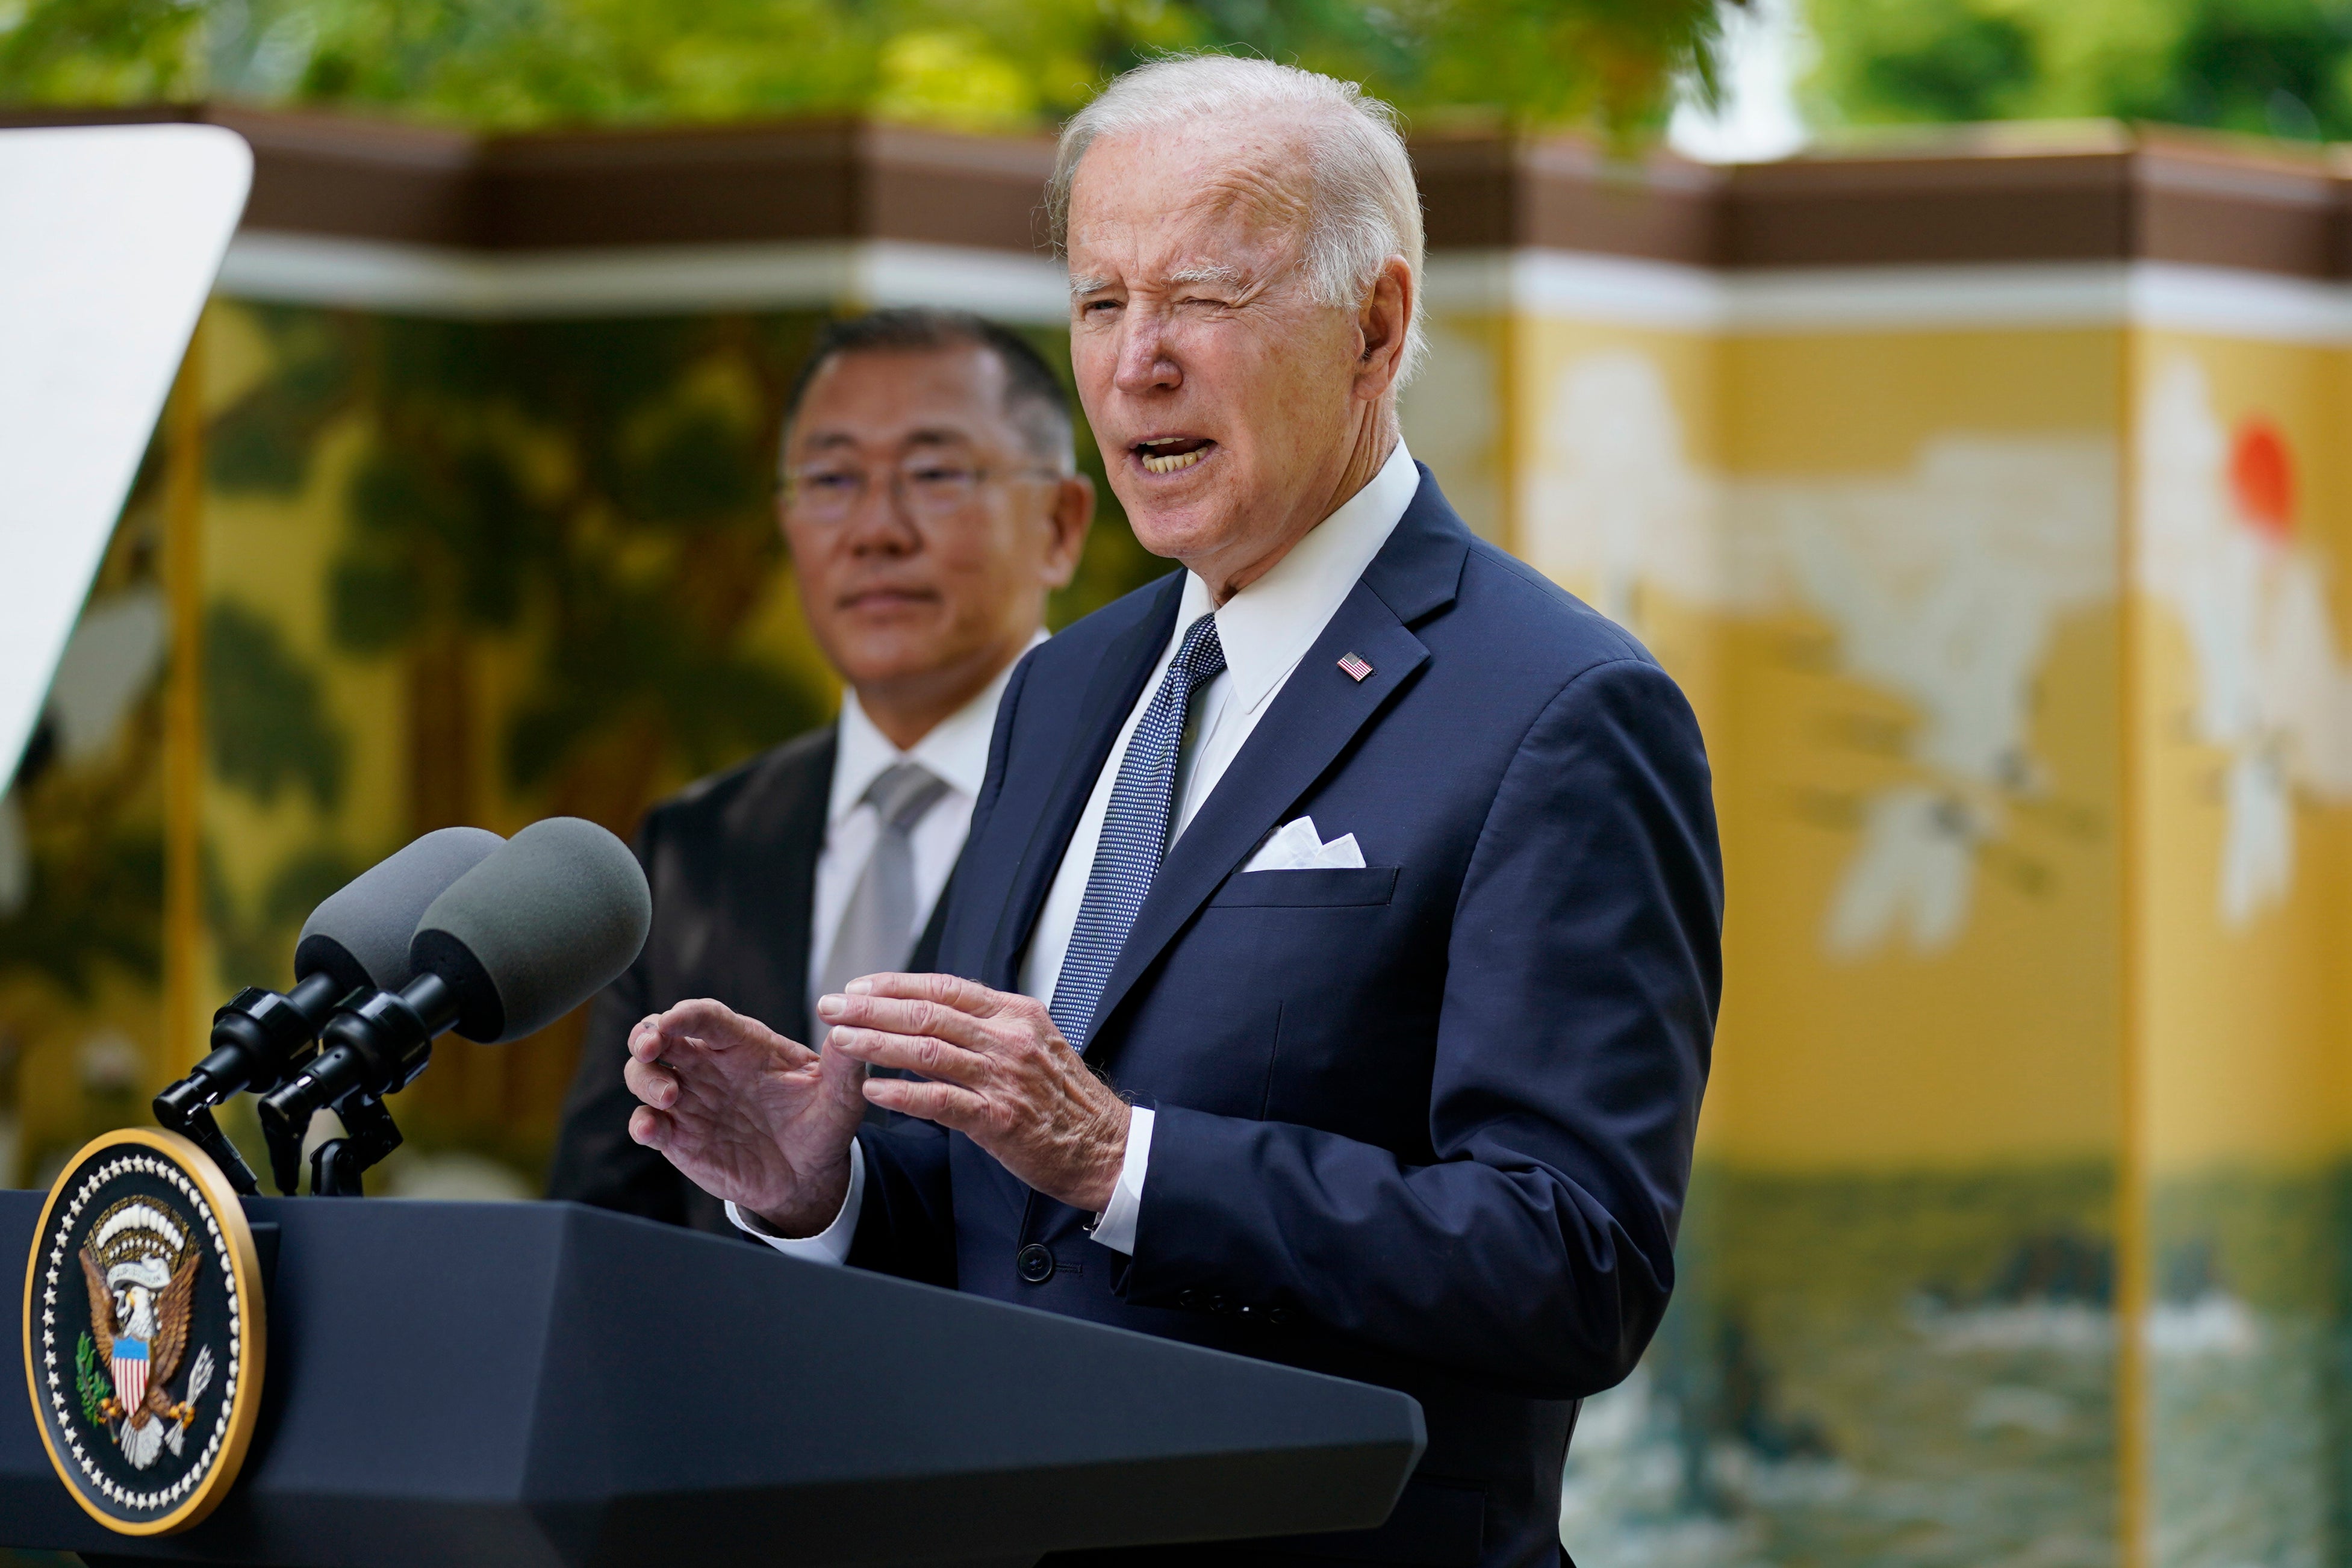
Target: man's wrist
column 831, row 1245
column 819, row 1209
column 1110, row 1159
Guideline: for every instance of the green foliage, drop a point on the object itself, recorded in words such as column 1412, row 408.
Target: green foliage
column 2278, row 68
column 985, row 64
column 265, row 718
column 99, row 51
column 1542, row 62
column 91, row 1381
column 1959, row 65
column 2273, row 66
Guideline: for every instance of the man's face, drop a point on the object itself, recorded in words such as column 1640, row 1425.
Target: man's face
column 1226, row 398
column 925, row 534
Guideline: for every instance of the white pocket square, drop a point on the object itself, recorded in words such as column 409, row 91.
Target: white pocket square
column 1296, row 846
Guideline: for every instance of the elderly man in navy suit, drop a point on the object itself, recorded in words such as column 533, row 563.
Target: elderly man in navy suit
column 1332, row 968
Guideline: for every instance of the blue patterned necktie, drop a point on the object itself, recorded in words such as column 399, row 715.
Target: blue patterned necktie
column 1134, row 834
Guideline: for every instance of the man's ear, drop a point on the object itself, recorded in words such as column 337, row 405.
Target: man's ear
column 1072, row 514
column 1380, row 324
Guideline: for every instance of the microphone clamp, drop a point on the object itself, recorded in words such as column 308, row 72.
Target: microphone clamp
column 257, row 1040
column 375, row 1045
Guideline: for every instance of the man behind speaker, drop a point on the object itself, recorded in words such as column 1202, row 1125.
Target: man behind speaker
column 931, row 501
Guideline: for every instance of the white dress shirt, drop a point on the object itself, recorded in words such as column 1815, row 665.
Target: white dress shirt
column 956, row 752
column 1266, row 629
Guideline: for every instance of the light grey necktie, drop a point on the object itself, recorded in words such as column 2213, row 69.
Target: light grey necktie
column 878, row 928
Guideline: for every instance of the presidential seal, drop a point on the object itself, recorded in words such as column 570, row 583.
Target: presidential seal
column 143, row 1331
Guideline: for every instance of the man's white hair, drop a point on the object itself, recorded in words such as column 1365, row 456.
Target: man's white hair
column 1364, row 206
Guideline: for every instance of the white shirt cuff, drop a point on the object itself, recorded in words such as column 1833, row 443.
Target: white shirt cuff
column 831, row 1245
column 1115, row 1228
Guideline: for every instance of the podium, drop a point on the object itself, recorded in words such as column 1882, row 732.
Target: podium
column 544, row 1384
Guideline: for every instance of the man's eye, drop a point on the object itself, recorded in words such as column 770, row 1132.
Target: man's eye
column 939, row 474
column 1094, row 305
column 832, row 484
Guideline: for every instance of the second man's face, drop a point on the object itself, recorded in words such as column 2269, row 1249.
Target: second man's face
column 925, row 533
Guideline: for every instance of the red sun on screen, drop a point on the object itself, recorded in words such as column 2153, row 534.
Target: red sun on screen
column 2262, row 477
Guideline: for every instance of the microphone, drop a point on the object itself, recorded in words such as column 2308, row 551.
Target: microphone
column 542, row 924
column 361, row 933
column 356, row 940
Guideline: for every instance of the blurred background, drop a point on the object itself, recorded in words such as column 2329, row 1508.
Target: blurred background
column 1953, row 393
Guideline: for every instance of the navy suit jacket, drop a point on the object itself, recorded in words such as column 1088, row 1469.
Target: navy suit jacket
column 1426, row 1123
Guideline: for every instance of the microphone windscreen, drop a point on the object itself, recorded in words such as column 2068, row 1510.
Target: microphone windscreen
column 536, row 929
column 359, row 936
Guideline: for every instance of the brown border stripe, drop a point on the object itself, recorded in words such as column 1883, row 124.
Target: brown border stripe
column 2198, row 205
column 2170, row 197
column 1967, row 201
column 1486, row 194
column 809, row 181
column 1844, row 212
column 358, row 179
column 1974, row 197
column 319, row 174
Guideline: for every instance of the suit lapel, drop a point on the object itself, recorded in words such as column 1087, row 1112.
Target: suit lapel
column 773, row 840
column 1109, row 698
column 1318, row 712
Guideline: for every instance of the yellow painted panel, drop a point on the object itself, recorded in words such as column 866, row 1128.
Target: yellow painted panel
column 2003, row 1045
column 1858, row 402
column 1887, row 566
column 2242, row 783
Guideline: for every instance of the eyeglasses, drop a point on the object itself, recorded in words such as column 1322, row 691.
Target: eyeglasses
column 928, row 486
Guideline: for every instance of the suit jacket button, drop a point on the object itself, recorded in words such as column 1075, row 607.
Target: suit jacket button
column 1189, row 1298
column 1034, row 1263
column 1277, row 1316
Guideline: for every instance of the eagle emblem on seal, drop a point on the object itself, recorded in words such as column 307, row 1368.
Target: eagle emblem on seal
column 142, row 1274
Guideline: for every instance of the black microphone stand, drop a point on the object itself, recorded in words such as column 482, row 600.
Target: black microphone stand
column 337, row 1165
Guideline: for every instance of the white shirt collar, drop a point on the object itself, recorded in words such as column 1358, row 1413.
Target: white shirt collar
column 1267, row 627
column 956, row 750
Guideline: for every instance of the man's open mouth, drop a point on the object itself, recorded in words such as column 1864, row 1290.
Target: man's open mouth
column 1166, row 454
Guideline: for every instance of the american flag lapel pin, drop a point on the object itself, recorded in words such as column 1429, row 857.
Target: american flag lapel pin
column 1355, row 667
